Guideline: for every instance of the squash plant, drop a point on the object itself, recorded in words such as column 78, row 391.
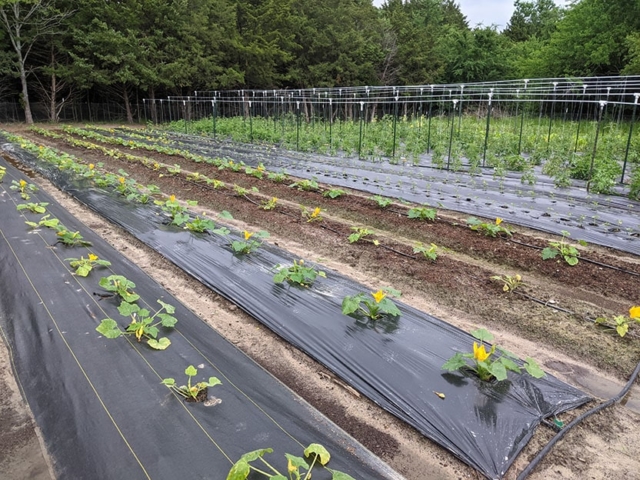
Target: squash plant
column 298, row 468
column 192, row 393
column 297, row 274
column 143, row 324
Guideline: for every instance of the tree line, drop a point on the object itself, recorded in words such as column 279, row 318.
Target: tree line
column 54, row 51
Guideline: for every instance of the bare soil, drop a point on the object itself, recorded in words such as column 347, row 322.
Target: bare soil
column 456, row 288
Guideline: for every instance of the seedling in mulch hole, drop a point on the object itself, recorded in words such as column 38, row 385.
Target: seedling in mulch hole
column 621, row 322
column 46, row 222
column 314, row 215
column 484, row 366
column 33, row 207
column 568, row 252
column 489, row 229
column 142, row 324
column 192, row 393
column 3, row 171
column 200, row 225
column 372, row 307
column 119, row 285
column 298, row 468
column 297, row 274
column 23, row 187
column 360, row 233
column 278, row 177
column 334, row 193
column 84, row 265
column 71, row 239
column 509, row 283
column 176, row 212
column 422, row 213
column 269, row 204
column 430, row 252
column 126, row 186
column 382, row 202
column 252, row 241
column 306, row 185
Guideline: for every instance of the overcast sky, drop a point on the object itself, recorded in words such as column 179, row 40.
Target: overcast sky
column 487, row 12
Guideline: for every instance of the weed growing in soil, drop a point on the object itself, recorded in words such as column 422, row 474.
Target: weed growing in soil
column 278, row 177
column 334, row 193
column 374, row 307
column 568, row 252
column 486, row 367
column 382, row 202
column 251, row 242
column 510, row 283
column 422, row 213
column 359, row 233
column 143, row 324
column 314, row 215
column 83, row 266
column 24, row 188
column 297, row 274
column 33, row 207
column 430, row 252
column 298, row 468
column 121, row 286
column 621, row 322
column 188, row 391
column 489, row 229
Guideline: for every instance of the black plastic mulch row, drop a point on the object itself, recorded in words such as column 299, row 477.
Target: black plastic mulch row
column 100, row 404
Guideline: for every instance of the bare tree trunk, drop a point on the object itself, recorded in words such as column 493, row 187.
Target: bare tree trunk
column 127, row 104
column 152, row 105
column 28, row 118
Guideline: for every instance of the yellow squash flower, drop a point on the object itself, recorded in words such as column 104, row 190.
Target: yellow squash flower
column 378, row 296
column 316, row 212
column 247, row 235
column 479, row 352
column 291, row 467
column 498, row 221
column 634, row 312
column 172, row 198
column 93, row 257
column 91, row 166
column 121, row 180
column 23, row 183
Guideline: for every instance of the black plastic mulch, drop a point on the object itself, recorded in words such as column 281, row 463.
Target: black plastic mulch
column 394, row 362
column 100, row 404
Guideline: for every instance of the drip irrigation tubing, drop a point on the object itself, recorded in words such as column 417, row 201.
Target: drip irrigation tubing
column 534, row 463
column 604, row 265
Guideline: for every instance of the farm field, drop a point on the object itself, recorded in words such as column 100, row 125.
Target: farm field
column 419, row 241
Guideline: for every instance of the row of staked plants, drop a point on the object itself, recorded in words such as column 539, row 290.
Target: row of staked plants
column 145, row 325
column 564, row 149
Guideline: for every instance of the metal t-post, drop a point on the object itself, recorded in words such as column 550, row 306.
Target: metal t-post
column 633, row 119
column 486, row 133
column 395, row 121
column 595, row 143
column 453, row 123
column 584, row 90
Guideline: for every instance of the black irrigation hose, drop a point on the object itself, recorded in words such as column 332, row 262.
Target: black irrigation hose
column 560, row 435
column 546, row 304
column 604, row 265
